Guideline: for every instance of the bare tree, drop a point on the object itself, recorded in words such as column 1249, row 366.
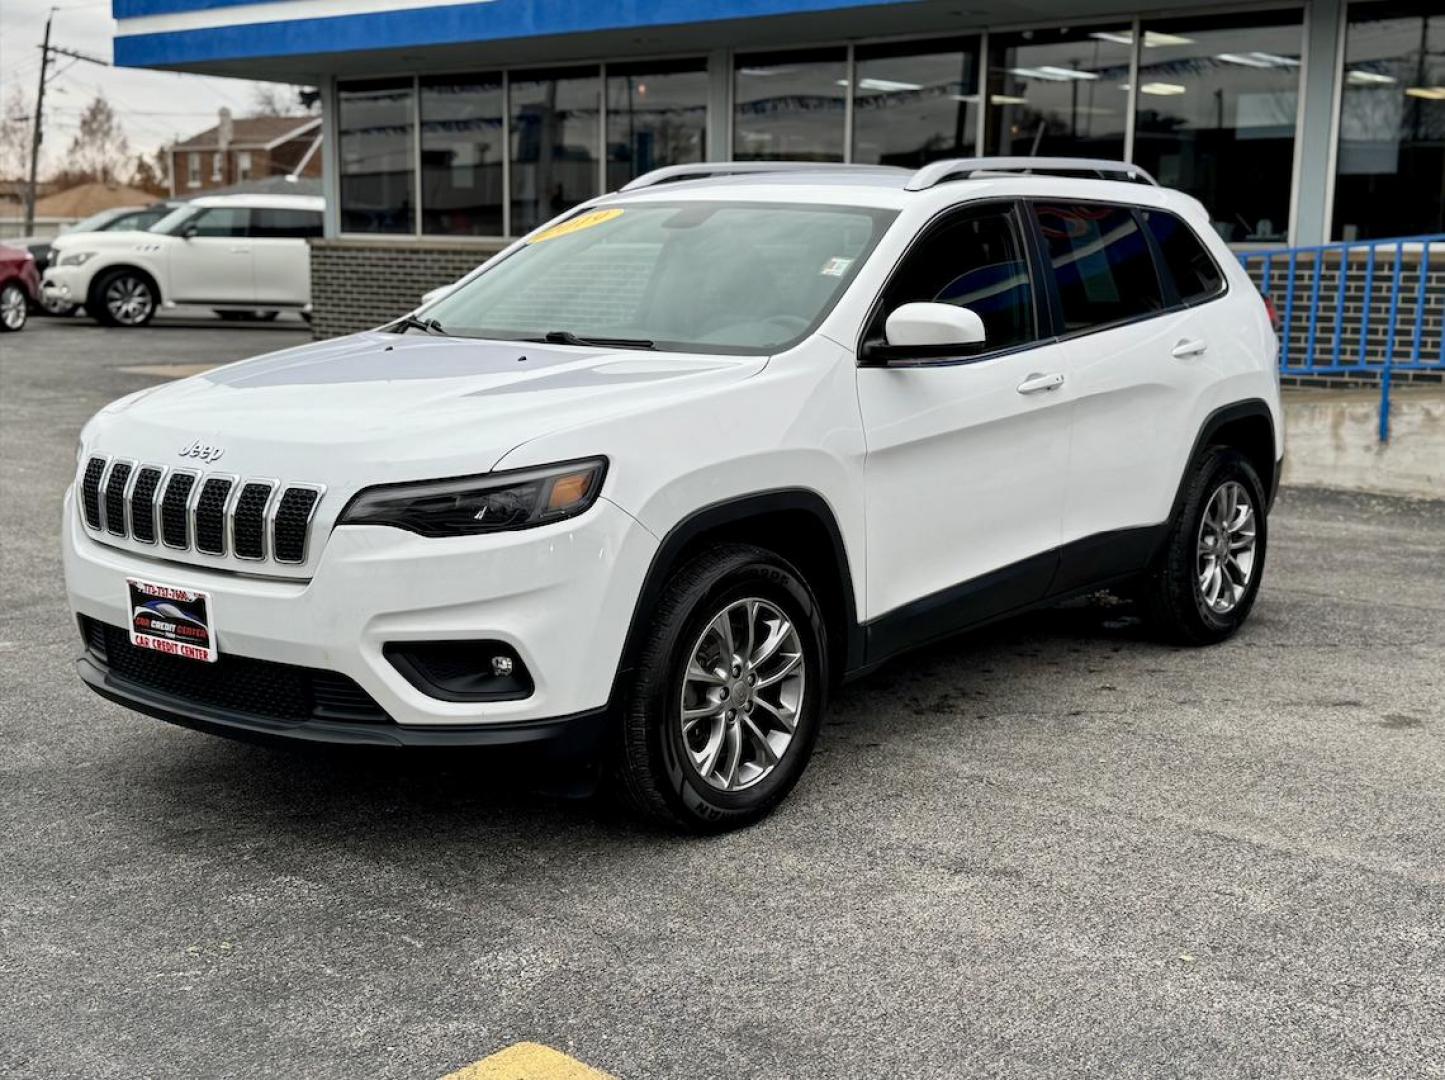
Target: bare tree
column 272, row 99
column 14, row 136
column 100, row 151
column 150, row 174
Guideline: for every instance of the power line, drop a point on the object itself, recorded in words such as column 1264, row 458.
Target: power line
column 37, row 129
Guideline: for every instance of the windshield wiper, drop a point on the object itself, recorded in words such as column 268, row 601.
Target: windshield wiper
column 566, row 337
column 411, row 322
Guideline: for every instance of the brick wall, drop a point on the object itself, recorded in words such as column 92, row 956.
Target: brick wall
column 359, row 284
column 1361, row 319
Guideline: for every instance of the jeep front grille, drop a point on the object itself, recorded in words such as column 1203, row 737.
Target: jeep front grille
column 143, row 504
column 214, row 514
column 90, row 491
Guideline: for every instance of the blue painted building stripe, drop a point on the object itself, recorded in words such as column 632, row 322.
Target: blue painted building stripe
column 130, row 9
column 496, row 21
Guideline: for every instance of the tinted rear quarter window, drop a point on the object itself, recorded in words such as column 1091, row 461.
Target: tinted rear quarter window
column 1196, row 275
column 267, row 222
column 1100, row 262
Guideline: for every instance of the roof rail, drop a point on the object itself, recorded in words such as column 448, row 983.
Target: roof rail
column 939, row 172
column 701, row 170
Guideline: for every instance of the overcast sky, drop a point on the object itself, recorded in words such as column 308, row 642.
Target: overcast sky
column 156, row 107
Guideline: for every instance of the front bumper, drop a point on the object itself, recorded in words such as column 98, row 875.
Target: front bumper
column 66, row 284
column 562, row 596
column 577, row 737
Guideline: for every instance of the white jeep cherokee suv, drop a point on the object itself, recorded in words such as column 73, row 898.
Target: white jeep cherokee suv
column 237, row 254
column 644, row 487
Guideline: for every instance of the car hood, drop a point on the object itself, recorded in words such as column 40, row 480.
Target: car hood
column 379, row 407
column 111, row 240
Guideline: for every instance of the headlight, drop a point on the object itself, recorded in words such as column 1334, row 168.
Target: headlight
column 76, row 258
column 493, row 502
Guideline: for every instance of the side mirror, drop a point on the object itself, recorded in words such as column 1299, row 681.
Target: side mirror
column 188, row 231
column 438, row 293
column 925, row 331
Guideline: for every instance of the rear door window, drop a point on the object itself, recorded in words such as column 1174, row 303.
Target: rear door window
column 1196, row 275
column 1100, row 263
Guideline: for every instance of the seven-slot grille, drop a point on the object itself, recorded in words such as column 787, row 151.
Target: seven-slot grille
column 213, row 514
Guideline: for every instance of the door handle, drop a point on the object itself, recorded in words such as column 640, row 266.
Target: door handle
column 1188, row 347
column 1036, row 382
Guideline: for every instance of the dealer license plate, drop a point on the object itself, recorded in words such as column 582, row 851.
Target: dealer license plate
column 171, row 620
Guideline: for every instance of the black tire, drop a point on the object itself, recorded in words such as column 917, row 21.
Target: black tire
column 98, row 304
column 1174, row 601
column 653, row 771
column 14, row 307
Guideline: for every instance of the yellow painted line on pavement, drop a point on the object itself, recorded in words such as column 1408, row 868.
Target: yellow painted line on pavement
column 528, row 1061
column 168, row 371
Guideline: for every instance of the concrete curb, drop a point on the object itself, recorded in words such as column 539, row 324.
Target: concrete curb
column 1332, row 441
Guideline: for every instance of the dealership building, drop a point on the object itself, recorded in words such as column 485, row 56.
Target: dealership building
column 452, row 126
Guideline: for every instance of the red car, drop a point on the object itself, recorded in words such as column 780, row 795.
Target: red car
column 19, row 287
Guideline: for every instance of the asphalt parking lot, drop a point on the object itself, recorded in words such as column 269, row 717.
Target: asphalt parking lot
column 1052, row 849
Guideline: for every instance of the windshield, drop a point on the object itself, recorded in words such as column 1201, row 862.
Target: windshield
column 96, row 222
column 688, row 276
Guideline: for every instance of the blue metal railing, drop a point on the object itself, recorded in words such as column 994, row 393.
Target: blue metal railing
column 1334, row 328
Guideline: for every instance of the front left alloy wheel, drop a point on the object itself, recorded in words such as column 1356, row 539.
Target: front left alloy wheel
column 14, row 308
column 123, row 298
column 728, row 690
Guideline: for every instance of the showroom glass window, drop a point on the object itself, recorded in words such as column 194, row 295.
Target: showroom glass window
column 1217, row 104
column 1390, row 176
column 555, row 117
column 656, row 116
column 462, row 151
column 1059, row 92
column 790, row 106
column 376, row 129
column 915, row 102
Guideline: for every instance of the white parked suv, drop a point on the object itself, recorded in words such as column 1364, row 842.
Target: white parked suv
column 646, row 486
column 237, row 254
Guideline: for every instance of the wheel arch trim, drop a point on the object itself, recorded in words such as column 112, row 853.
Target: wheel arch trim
column 718, row 516
column 1248, row 409
column 105, row 272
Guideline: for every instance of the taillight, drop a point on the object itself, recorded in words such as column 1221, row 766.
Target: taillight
column 1272, row 312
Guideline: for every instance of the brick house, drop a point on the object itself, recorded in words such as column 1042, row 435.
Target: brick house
column 259, row 147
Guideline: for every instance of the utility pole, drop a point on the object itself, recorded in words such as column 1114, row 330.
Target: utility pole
column 47, row 50
column 35, row 129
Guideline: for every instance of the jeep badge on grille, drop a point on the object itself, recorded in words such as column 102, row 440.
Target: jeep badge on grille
column 203, row 451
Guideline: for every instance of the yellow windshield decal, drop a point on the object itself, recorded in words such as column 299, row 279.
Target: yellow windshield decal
column 576, row 224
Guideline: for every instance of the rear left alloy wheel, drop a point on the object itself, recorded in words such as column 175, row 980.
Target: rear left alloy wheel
column 1205, row 582
column 14, row 308
column 728, row 691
